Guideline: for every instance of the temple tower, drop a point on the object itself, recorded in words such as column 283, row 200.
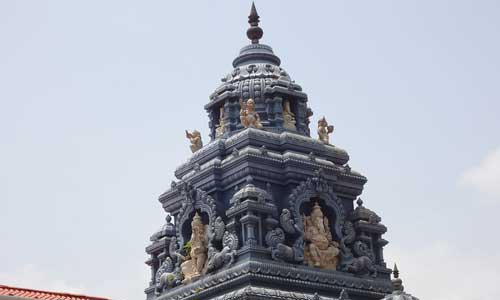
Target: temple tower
column 268, row 209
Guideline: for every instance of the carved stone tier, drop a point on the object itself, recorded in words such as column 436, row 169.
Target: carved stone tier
column 301, row 280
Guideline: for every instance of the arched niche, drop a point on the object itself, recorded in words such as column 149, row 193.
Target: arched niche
column 194, row 200
column 318, row 189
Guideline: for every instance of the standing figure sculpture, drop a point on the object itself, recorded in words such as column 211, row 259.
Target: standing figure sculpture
column 194, row 261
column 195, row 139
column 248, row 116
column 219, row 128
column 288, row 116
column 320, row 249
column 324, row 130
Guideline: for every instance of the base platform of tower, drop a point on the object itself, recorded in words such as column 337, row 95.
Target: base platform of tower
column 265, row 210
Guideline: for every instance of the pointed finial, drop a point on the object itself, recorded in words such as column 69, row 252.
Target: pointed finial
column 397, row 283
column 359, row 202
column 395, row 271
column 254, row 33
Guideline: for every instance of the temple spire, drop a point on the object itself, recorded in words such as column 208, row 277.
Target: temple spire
column 254, row 33
column 397, row 283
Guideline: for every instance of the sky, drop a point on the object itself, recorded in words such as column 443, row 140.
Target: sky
column 95, row 97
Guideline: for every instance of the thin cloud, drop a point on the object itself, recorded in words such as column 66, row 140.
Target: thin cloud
column 445, row 271
column 486, row 176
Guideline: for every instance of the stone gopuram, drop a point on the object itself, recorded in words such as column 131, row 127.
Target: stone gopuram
column 267, row 209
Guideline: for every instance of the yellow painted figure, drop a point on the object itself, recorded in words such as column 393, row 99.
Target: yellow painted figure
column 320, row 250
column 248, row 116
column 219, row 129
column 194, row 262
column 324, row 130
column 195, row 139
column 288, row 116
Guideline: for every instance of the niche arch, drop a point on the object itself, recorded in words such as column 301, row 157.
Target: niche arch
column 317, row 189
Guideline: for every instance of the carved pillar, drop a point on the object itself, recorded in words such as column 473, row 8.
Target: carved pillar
column 250, row 222
column 278, row 106
column 154, row 264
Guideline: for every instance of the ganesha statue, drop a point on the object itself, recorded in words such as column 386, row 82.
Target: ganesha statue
column 320, row 249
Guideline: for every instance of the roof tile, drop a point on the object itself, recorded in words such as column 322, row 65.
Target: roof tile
column 45, row 295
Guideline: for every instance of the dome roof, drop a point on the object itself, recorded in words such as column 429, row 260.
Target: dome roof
column 250, row 191
column 279, row 102
column 255, row 69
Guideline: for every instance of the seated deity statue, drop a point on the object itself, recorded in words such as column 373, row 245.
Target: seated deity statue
column 288, row 116
column 324, row 130
column 195, row 260
column 248, row 116
column 195, row 139
column 320, row 249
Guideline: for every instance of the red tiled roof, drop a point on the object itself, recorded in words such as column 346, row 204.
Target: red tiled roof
column 44, row 295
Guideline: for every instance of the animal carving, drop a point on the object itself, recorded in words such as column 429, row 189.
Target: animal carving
column 167, row 276
column 225, row 257
column 220, row 259
column 362, row 265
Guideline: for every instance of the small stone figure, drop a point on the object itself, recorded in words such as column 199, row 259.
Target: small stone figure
column 288, row 116
column 195, row 139
column 324, row 130
column 219, row 129
column 194, row 262
column 248, row 116
column 320, row 250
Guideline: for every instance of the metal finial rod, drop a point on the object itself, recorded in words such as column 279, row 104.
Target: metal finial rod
column 395, row 271
column 254, row 33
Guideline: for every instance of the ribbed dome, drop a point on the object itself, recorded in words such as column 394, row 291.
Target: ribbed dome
column 255, row 69
column 250, row 191
column 278, row 102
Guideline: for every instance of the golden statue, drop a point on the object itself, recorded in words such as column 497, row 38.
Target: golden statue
column 194, row 262
column 324, row 130
column 195, row 139
column 288, row 116
column 219, row 129
column 248, row 116
column 320, row 250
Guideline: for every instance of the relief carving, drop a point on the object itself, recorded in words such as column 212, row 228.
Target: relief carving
column 288, row 116
column 197, row 249
column 320, row 249
column 248, row 116
column 219, row 128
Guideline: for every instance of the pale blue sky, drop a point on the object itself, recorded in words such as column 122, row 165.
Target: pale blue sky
column 95, row 97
